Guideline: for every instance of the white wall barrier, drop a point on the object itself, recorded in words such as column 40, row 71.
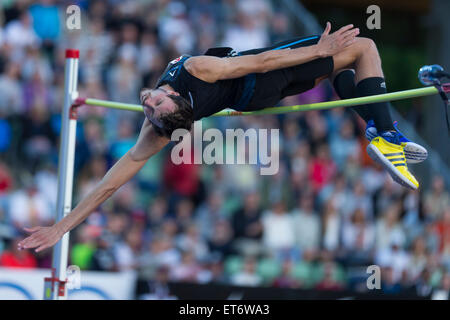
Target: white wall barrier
column 28, row 284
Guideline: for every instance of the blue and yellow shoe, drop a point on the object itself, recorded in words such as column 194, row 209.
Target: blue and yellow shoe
column 390, row 154
column 414, row 152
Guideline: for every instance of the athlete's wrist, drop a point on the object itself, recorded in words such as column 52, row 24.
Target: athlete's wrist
column 60, row 229
column 320, row 51
column 65, row 225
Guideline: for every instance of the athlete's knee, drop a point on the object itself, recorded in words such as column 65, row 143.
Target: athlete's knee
column 362, row 47
column 365, row 46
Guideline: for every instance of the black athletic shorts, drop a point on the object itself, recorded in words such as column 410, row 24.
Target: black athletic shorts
column 272, row 86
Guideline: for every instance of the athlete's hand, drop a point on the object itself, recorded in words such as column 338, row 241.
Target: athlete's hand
column 41, row 238
column 330, row 44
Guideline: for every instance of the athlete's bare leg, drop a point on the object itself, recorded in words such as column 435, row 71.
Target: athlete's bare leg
column 362, row 56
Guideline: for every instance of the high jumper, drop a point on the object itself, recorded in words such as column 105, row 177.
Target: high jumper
column 193, row 87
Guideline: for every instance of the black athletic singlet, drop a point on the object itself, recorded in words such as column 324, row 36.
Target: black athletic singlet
column 206, row 98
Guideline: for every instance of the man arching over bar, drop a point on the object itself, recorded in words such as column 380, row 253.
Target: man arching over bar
column 193, row 87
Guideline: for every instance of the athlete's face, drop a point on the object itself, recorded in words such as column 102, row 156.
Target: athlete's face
column 157, row 102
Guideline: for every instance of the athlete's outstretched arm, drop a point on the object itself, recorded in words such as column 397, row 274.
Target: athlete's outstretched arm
column 212, row 69
column 147, row 145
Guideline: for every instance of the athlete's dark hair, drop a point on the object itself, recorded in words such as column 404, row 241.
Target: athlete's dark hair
column 181, row 118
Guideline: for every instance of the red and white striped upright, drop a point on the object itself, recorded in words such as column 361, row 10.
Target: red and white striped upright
column 65, row 174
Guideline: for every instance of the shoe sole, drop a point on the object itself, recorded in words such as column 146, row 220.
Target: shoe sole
column 415, row 153
column 378, row 157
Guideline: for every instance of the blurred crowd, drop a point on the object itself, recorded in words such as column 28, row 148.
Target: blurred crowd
column 318, row 223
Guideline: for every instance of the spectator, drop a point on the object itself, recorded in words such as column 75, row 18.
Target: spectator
column 96, row 46
column 389, row 284
column 126, row 252
column 125, row 199
column 184, row 214
column 344, row 144
column 169, row 228
column 291, row 135
column 316, row 126
column 423, row 287
column 11, row 98
column 328, row 282
column 125, row 139
column 182, row 179
column 412, row 219
column 437, row 199
column 215, row 267
column 19, row 34
column 37, row 72
column 306, row 224
column 104, row 258
column 39, row 137
column 175, row 29
column 247, row 224
column 358, row 199
column 157, row 211
column 94, row 140
column 47, row 183
column 285, row 279
column 91, row 175
column 28, row 207
column 418, row 259
column 83, row 250
column 322, row 168
column 301, row 158
column 394, row 257
column 209, row 214
column 188, row 269
column 15, row 258
column 123, row 81
column 149, row 56
column 278, row 233
column 388, row 227
column 247, row 276
column 331, row 226
column 191, row 241
column 443, row 231
column 358, row 237
column 221, row 239
column 116, row 225
column 161, row 252
column 158, row 288
column 245, row 34
column 275, row 188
